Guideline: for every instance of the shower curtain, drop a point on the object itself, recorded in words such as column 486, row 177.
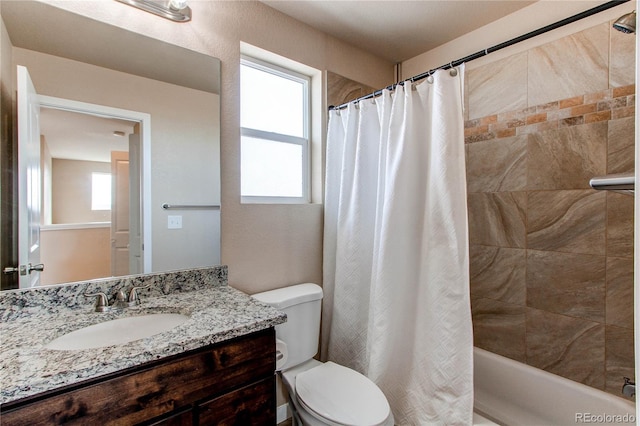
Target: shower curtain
column 396, row 266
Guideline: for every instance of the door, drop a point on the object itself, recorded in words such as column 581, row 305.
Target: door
column 135, row 203
column 119, row 213
column 29, row 194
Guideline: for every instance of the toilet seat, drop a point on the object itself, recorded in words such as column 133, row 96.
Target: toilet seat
column 341, row 396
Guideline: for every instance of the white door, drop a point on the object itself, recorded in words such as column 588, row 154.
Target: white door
column 135, row 204
column 29, row 191
column 119, row 213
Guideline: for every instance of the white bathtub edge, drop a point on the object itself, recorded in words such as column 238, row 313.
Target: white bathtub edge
column 514, row 393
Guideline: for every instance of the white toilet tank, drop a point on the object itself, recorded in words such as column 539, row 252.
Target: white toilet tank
column 301, row 303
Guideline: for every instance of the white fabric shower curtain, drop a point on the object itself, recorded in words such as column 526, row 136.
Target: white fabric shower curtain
column 396, row 266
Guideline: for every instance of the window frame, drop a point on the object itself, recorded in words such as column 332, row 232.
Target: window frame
column 304, row 141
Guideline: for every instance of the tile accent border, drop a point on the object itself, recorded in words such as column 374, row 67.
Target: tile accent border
column 604, row 105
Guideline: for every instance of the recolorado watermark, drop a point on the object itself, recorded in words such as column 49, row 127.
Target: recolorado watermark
column 605, row 418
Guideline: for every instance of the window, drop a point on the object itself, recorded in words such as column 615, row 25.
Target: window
column 274, row 121
column 100, row 191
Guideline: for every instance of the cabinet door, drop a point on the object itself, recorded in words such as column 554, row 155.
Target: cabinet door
column 251, row 405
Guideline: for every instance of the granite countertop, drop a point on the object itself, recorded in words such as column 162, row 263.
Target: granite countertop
column 217, row 312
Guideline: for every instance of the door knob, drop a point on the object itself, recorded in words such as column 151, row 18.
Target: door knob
column 39, row 267
column 24, row 269
column 12, row 269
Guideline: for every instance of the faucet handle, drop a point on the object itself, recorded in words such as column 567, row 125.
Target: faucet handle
column 102, row 302
column 134, row 298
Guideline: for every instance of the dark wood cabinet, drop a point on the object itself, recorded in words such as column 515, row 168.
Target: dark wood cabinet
column 229, row 383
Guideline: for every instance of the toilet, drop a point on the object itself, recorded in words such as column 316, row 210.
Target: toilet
column 320, row 393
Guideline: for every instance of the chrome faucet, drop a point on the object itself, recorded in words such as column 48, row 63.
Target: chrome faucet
column 121, row 301
column 629, row 388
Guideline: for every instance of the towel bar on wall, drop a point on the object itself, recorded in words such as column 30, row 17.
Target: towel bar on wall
column 168, row 206
column 623, row 183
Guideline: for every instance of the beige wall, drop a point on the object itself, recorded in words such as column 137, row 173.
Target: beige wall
column 71, row 191
column 75, row 254
column 265, row 246
column 551, row 260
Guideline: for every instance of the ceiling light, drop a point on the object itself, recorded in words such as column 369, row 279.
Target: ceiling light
column 175, row 10
column 118, row 134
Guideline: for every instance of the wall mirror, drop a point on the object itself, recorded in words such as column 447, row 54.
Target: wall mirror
column 85, row 79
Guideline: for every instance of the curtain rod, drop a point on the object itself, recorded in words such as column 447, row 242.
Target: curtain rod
column 492, row 49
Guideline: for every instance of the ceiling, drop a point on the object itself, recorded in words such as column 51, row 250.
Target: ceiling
column 397, row 29
column 75, row 136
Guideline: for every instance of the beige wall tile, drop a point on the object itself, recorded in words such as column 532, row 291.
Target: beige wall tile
column 497, row 219
column 619, row 225
column 620, row 358
column 575, row 261
column 566, row 221
column 498, row 273
column 570, row 66
column 497, row 165
column 341, row 90
column 620, row 292
column 623, row 56
column 499, row 327
column 566, row 158
column 498, row 87
column 566, row 346
column 620, row 147
column 566, row 283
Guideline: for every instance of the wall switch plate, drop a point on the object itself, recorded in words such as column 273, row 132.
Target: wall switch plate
column 174, row 222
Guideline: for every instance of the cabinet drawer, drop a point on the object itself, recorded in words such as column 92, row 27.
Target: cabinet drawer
column 251, row 405
column 153, row 389
column 182, row 418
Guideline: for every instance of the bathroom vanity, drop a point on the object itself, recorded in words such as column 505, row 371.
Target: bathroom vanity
column 215, row 368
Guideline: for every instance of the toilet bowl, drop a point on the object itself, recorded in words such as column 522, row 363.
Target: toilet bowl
column 320, row 393
column 330, row 394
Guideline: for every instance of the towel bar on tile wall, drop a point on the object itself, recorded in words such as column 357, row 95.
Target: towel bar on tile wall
column 168, row 206
column 623, row 183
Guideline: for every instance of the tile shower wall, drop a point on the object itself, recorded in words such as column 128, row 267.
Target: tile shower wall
column 551, row 259
column 341, row 90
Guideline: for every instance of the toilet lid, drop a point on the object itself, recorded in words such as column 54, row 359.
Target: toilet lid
column 342, row 395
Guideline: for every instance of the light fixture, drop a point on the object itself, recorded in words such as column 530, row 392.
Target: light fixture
column 118, row 133
column 626, row 23
column 175, row 10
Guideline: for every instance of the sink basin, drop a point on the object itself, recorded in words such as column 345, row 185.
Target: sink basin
column 116, row 332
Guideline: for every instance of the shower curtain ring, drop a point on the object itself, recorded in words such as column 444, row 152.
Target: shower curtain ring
column 430, row 77
column 453, row 72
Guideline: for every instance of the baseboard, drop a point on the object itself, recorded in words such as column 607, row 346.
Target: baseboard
column 282, row 413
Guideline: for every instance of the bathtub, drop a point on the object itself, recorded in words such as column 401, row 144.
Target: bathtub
column 511, row 393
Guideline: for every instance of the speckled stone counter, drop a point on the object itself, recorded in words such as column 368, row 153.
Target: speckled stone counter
column 32, row 318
